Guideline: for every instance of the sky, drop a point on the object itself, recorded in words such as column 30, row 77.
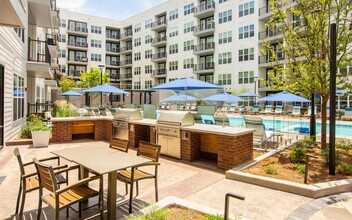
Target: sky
column 116, row 9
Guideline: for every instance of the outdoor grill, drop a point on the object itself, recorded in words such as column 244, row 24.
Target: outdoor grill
column 121, row 119
column 169, row 126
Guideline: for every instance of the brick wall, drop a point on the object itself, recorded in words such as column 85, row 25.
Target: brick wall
column 190, row 148
column 140, row 132
column 61, row 132
column 103, row 130
column 152, row 134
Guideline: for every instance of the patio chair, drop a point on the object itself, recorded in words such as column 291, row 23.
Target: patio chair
column 119, row 144
column 91, row 112
column 194, row 107
column 220, row 121
column 242, row 109
column 278, row 110
column 105, row 112
column 232, row 108
column 163, row 105
column 268, row 109
column 310, row 111
column 188, row 106
column 135, row 174
column 296, row 111
column 255, row 109
column 29, row 181
column 65, row 197
column 208, row 119
column 167, row 106
column 260, row 138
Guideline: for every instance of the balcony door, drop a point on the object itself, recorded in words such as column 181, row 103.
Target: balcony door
column 2, row 106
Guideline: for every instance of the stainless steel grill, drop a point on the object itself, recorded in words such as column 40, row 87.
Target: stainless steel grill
column 121, row 119
column 169, row 131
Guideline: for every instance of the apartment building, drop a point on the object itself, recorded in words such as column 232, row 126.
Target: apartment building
column 214, row 41
column 27, row 59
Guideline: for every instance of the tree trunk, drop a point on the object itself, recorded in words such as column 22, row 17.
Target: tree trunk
column 323, row 122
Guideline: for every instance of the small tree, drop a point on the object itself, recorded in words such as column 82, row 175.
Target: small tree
column 92, row 78
column 66, row 84
column 306, row 47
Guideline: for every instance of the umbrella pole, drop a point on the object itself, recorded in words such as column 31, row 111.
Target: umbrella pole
column 223, row 117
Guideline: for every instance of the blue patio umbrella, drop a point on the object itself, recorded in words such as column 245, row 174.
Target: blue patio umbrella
column 179, row 97
column 106, row 88
column 71, row 93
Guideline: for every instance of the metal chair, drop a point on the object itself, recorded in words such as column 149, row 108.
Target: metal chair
column 29, row 181
column 260, row 137
column 129, row 176
column 66, row 196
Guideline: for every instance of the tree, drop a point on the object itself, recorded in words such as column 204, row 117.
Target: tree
column 66, row 84
column 92, row 78
column 306, row 47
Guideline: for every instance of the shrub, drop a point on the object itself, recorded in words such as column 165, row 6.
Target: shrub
column 213, row 217
column 298, row 153
column 301, row 168
column 153, row 213
column 271, row 170
column 64, row 109
column 308, row 141
column 344, row 145
column 34, row 123
column 325, row 154
column 344, row 169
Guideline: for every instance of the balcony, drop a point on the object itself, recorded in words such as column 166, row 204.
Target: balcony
column 159, row 57
column 112, row 50
column 159, row 73
column 74, row 73
column 126, row 86
column 159, row 41
column 204, row 49
column 126, row 63
column 203, row 68
column 76, row 30
column 43, row 13
column 159, row 25
column 265, row 13
column 54, row 49
column 112, row 64
column 39, row 60
column 77, row 60
column 126, row 49
column 127, row 36
column 266, row 60
column 271, row 34
column 204, row 10
column 12, row 13
column 204, row 29
column 74, row 45
column 112, row 37
column 126, row 76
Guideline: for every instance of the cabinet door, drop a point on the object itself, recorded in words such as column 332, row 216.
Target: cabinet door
column 174, row 147
column 162, row 141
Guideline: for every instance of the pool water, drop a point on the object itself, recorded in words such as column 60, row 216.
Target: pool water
column 292, row 126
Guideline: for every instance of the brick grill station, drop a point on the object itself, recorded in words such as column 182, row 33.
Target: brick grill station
column 141, row 132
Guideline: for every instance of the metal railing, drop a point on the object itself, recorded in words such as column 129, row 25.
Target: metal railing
column 227, row 203
column 52, row 39
column 158, row 40
column 112, row 63
column 39, row 108
column 78, row 59
column 271, row 32
column 159, row 22
column 38, row 51
column 127, row 34
column 125, row 48
column 112, row 49
column 204, row 7
column 78, row 29
column 112, row 36
column 206, row 46
column 159, row 72
column 126, row 76
column 203, row 66
column 266, row 9
column 204, row 27
column 126, row 86
column 267, row 59
column 77, row 44
column 159, row 56
column 125, row 62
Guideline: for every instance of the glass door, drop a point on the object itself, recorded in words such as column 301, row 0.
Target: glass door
column 1, row 107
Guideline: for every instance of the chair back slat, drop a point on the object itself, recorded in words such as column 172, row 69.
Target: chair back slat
column 119, row 144
column 46, row 176
column 19, row 159
column 149, row 150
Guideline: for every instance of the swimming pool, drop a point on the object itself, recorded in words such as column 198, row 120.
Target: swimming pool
column 285, row 126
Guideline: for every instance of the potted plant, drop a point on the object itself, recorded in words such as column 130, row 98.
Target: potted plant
column 40, row 133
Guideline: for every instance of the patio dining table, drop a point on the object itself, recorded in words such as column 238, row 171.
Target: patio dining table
column 102, row 160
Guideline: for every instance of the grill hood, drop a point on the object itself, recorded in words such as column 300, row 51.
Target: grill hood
column 178, row 118
column 129, row 114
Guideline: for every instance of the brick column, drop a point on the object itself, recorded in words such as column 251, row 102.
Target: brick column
column 190, row 148
column 102, row 130
column 152, row 133
column 61, row 132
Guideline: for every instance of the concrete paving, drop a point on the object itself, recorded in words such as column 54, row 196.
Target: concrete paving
column 190, row 181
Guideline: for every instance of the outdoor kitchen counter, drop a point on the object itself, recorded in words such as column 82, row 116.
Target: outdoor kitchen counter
column 84, row 118
column 229, row 146
column 142, row 130
column 144, row 121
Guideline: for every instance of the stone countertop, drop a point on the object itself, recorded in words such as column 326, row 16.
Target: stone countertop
column 85, row 118
column 217, row 129
column 144, row 121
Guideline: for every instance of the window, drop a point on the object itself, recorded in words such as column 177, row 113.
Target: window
column 225, row 58
column 246, row 31
column 222, row 1
column 95, row 57
column 75, row 70
column 188, row 63
column 137, row 85
column 148, row 54
column 173, row 14
column 63, row 23
column 246, row 54
column 148, row 69
column 112, row 61
column 224, row 79
column 246, row 9
column 148, row 23
column 173, row 48
column 137, row 42
column 62, row 68
column 173, row 65
column 20, row 33
column 95, row 43
column 172, row 79
column 188, row 9
column 188, row 27
column 246, row 77
column 113, row 34
column 77, row 26
column 18, row 97
column 188, row 45
column 62, row 53
column 137, row 28
column 225, row 37
column 95, row 29
column 137, row 71
column 75, row 55
column 173, row 32
column 148, row 84
column 63, row 38
column 137, row 56
column 148, row 39
column 112, row 47
column 225, row 16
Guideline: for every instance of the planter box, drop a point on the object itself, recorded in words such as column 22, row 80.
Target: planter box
column 40, row 138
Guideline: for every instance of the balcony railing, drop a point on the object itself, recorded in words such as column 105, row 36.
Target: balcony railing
column 126, row 62
column 159, row 56
column 78, row 29
column 158, row 40
column 125, row 48
column 204, row 27
column 52, row 39
column 267, row 59
column 205, row 46
column 112, row 49
column 203, row 66
column 112, row 36
column 266, row 9
column 271, row 32
column 126, row 76
column 78, row 59
column 127, row 35
column 204, row 7
column 75, row 73
column 159, row 72
column 53, row 5
column 112, row 63
column 77, row 44
column 126, row 86
column 159, row 23
column 38, row 51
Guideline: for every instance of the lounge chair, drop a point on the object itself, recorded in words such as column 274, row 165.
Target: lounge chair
column 278, row 110
column 220, row 121
column 232, row 108
column 194, row 107
column 163, row 105
column 242, row 109
column 255, row 109
column 168, row 106
column 268, row 109
column 249, row 108
column 296, row 111
column 188, row 106
column 310, row 111
column 260, row 138
column 208, row 119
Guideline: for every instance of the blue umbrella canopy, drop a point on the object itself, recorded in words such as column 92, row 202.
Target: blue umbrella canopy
column 179, row 97
column 283, row 97
column 186, row 84
column 106, row 88
column 224, row 97
column 71, row 93
column 248, row 94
